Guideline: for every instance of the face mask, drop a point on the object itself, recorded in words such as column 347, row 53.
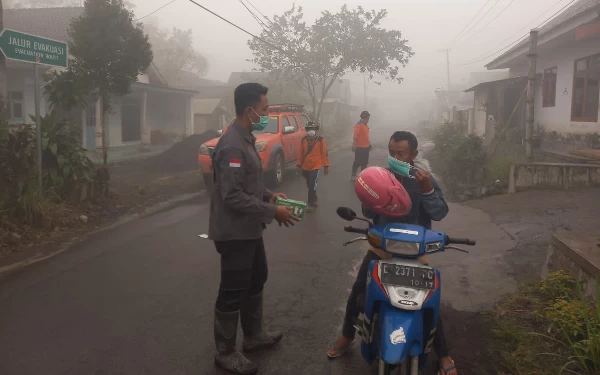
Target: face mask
column 399, row 167
column 312, row 133
column 261, row 124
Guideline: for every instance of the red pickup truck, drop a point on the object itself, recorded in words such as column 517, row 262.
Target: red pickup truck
column 278, row 144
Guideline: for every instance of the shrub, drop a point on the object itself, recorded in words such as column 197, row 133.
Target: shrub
column 459, row 158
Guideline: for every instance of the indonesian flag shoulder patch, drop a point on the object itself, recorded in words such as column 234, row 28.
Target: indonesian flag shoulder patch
column 235, row 163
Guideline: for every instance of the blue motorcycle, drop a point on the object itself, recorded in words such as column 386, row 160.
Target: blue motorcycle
column 402, row 302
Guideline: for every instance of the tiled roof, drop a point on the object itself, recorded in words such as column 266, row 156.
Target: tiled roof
column 573, row 11
column 51, row 23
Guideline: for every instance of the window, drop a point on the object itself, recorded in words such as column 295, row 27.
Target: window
column 285, row 122
column 90, row 113
column 586, row 90
column 294, row 123
column 304, row 121
column 16, row 106
column 549, row 88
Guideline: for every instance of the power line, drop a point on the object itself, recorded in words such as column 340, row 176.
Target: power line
column 258, row 10
column 240, row 28
column 524, row 27
column 256, row 18
column 164, row 6
column 497, row 15
column 468, row 23
column 481, row 19
column 521, row 38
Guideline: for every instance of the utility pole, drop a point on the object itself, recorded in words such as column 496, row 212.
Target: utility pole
column 532, row 56
column 447, row 50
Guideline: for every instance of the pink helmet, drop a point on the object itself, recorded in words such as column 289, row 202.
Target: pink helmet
column 379, row 191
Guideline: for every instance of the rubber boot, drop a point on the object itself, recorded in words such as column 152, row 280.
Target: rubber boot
column 255, row 338
column 227, row 357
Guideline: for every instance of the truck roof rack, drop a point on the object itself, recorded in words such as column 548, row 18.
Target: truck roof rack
column 286, row 107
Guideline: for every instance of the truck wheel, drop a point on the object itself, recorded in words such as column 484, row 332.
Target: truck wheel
column 208, row 181
column 276, row 174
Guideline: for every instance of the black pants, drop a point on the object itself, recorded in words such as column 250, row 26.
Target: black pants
column 244, row 272
column 352, row 308
column 312, row 179
column 361, row 159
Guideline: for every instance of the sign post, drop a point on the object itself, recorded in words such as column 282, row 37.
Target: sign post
column 29, row 48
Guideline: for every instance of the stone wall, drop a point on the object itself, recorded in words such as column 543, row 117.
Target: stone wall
column 525, row 176
column 578, row 256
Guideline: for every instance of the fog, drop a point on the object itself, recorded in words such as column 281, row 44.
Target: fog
column 428, row 25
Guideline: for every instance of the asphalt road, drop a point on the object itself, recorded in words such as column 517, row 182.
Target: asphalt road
column 139, row 299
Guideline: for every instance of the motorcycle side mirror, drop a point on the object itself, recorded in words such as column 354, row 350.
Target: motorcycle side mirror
column 346, row 213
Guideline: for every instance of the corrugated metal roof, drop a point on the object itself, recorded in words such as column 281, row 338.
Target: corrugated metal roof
column 573, row 11
column 206, row 106
column 51, row 23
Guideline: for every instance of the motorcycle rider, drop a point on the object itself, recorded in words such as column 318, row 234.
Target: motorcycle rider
column 427, row 204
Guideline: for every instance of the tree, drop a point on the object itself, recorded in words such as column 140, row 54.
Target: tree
column 109, row 52
column 337, row 43
column 174, row 52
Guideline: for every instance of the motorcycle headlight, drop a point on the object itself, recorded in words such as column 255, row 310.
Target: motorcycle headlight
column 203, row 150
column 261, row 146
column 403, row 248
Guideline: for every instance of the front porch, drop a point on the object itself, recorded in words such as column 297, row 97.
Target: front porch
column 143, row 123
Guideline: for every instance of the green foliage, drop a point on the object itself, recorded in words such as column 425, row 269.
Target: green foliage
column 65, row 167
column 498, row 170
column 459, row 158
column 64, row 91
column 65, row 164
column 549, row 328
column 337, row 43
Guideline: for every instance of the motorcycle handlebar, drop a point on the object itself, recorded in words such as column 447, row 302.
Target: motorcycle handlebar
column 460, row 241
column 355, row 230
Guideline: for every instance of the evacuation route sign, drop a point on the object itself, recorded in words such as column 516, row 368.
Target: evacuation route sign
column 30, row 48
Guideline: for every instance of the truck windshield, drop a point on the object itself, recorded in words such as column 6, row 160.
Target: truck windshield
column 272, row 128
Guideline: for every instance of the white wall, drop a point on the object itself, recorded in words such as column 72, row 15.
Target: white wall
column 166, row 112
column 22, row 80
column 480, row 115
column 558, row 118
column 115, row 136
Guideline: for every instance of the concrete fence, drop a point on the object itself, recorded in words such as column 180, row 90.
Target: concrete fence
column 524, row 176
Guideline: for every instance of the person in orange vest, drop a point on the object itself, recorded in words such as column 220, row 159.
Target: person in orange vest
column 312, row 157
column 361, row 145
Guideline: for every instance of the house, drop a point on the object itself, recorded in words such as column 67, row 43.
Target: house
column 568, row 71
column 152, row 107
column 456, row 105
column 210, row 104
column 498, row 103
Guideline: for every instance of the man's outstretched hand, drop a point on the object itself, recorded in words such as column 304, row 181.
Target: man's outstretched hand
column 284, row 216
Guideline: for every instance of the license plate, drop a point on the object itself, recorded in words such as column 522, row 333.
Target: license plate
column 407, row 276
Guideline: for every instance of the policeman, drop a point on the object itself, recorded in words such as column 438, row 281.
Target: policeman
column 239, row 209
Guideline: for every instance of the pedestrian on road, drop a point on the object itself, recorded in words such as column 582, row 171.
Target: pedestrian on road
column 361, row 145
column 240, row 208
column 428, row 204
column 312, row 157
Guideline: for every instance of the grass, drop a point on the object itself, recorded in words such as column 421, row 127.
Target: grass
column 548, row 328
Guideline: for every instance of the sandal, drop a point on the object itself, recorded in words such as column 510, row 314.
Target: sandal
column 446, row 370
column 335, row 351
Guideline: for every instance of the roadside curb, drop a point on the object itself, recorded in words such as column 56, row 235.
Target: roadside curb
column 40, row 255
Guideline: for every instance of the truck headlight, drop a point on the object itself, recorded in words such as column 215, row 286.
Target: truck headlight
column 203, row 150
column 261, row 146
